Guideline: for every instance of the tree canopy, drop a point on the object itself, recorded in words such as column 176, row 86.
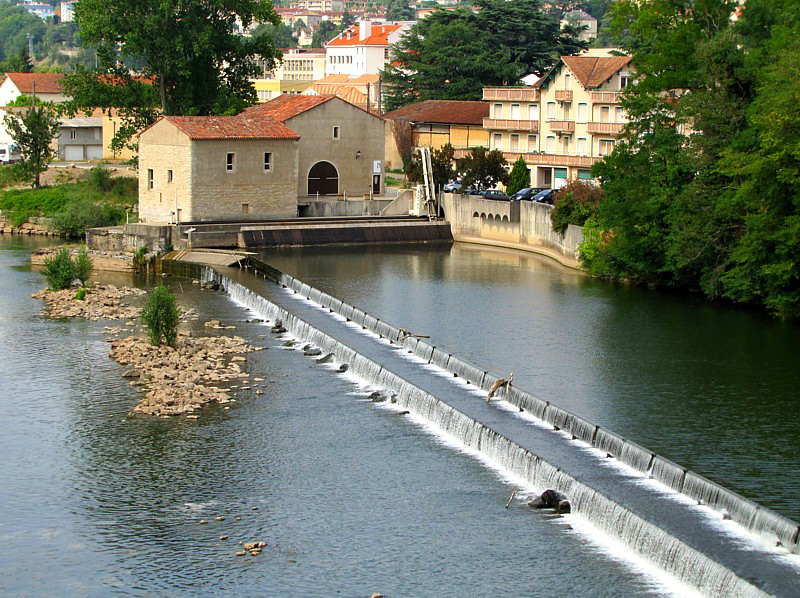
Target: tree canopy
column 482, row 169
column 33, row 130
column 704, row 191
column 454, row 54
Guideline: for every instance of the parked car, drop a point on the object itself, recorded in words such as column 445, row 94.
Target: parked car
column 474, row 191
column 526, row 194
column 545, row 196
column 452, row 186
column 495, row 194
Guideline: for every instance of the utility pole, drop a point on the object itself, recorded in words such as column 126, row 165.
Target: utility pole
column 30, row 46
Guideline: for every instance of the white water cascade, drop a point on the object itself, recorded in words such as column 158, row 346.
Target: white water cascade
column 651, row 541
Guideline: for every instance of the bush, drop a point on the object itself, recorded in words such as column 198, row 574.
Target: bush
column 161, row 316
column 80, row 294
column 83, row 266
column 575, row 203
column 78, row 215
column 519, row 178
column 100, row 179
column 59, row 270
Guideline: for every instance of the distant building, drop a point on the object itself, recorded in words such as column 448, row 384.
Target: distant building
column 47, row 86
column 318, row 5
column 43, row 11
column 67, row 12
column 355, row 90
column 81, row 138
column 299, row 69
column 362, row 49
column 580, row 18
column 436, row 123
column 566, row 122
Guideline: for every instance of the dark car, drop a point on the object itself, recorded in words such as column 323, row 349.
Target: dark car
column 495, row 194
column 526, row 194
column 545, row 196
column 474, row 191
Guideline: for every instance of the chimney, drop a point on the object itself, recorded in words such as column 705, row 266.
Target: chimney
column 364, row 30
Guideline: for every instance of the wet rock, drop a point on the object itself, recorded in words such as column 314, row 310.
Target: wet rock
column 131, row 374
column 550, row 499
column 203, row 521
column 342, row 368
column 219, row 518
column 312, row 352
column 306, row 347
column 402, row 413
column 237, row 518
column 223, row 538
column 326, row 359
column 563, row 506
column 241, row 553
column 277, row 330
column 254, row 545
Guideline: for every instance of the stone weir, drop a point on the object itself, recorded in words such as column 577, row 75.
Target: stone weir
column 702, row 534
column 251, row 235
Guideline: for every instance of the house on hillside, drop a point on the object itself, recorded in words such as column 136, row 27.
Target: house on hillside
column 261, row 164
column 362, row 49
column 566, row 122
column 436, row 123
column 47, row 86
column 580, row 18
column 341, row 146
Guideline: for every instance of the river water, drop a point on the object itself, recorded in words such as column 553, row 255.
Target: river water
column 350, row 498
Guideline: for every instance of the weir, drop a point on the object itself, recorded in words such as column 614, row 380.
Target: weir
column 676, row 524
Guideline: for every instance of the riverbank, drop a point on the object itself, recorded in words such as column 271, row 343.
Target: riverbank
column 109, row 261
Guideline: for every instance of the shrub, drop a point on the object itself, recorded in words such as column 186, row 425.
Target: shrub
column 59, row 270
column 139, row 259
column 519, row 178
column 100, row 179
column 80, row 294
column 80, row 214
column 575, row 203
column 161, row 317
column 83, row 266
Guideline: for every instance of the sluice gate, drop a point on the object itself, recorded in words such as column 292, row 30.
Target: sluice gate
column 677, row 524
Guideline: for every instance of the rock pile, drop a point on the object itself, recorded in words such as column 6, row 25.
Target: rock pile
column 183, row 378
column 101, row 302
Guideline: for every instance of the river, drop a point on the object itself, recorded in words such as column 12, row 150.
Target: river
column 350, row 498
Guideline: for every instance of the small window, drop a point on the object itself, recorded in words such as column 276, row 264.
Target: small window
column 73, row 134
column 169, row 176
column 585, row 175
column 229, row 162
column 623, row 82
column 336, row 132
column 149, row 178
column 245, row 208
column 267, row 161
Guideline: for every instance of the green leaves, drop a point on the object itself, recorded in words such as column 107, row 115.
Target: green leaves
column 482, row 169
column 33, row 129
column 520, row 177
column 161, row 317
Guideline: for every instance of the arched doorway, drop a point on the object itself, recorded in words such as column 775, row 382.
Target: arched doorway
column 323, row 178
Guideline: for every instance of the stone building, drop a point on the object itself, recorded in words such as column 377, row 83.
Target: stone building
column 261, row 164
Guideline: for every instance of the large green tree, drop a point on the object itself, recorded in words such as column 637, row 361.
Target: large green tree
column 33, row 130
column 454, row 54
column 198, row 64
column 704, row 191
column 482, row 169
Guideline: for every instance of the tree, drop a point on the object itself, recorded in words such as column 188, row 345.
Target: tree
column 482, row 169
column 282, row 35
column 441, row 166
column 33, row 130
column 160, row 316
column 575, row 203
column 19, row 62
column 403, row 133
column 189, row 50
column 399, row 10
column 520, row 176
column 59, row 270
column 454, row 54
column 326, row 31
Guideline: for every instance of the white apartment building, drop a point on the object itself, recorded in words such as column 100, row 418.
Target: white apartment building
column 318, row 5
column 563, row 124
column 363, row 49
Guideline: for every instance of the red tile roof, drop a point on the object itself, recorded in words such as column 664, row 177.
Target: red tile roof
column 286, row 106
column 454, row 112
column 45, row 82
column 231, row 127
column 593, row 71
column 379, row 36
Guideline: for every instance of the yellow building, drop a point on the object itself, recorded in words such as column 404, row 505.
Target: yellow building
column 566, row 122
column 435, row 123
column 298, row 71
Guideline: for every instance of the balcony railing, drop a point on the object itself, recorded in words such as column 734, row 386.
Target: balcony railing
column 562, row 126
column 543, row 159
column 606, row 128
column 510, row 125
column 523, row 94
column 606, row 97
column 563, row 95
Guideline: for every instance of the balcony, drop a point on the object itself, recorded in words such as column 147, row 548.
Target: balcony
column 606, row 97
column 543, row 159
column 562, row 126
column 605, row 128
column 563, row 95
column 522, row 94
column 510, row 125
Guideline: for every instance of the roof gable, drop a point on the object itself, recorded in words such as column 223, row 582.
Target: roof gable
column 45, row 82
column 593, row 71
column 286, row 106
column 379, row 36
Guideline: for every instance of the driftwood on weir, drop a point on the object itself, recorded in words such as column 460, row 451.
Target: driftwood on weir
column 502, row 382
column 406, row 334
column 510, row 499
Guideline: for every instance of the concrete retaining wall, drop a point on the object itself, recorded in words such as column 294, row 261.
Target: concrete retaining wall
column 348, row 207
column 522, row 225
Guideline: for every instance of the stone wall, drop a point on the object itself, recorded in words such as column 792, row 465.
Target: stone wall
column 162, row 148
column 522, row 225
column 33, row 226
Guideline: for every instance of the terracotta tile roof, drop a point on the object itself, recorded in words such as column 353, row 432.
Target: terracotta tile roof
column 231, row 127
column 45, row 82
column 286, row 106
column 348, row 80
column 348, row 93
column 593, row 71
column 379, row 37
column 454, row 112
